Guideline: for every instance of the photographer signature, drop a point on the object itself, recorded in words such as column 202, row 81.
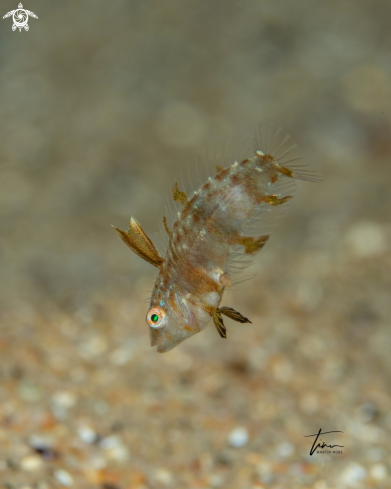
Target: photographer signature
column 323, row 445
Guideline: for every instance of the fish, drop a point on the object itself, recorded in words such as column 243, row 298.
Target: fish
column 215, row 232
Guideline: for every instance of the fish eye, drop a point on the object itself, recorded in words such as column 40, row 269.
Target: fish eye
column 156, row 318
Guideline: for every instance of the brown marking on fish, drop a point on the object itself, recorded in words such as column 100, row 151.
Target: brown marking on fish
column 178, row 195
column 235, row 179
column 166, row 279
column 273, row 199
column 205, row 307
column 224, row 279
column 166, row 226
column 220, row 176
column 285, row 171
column 268, row 157
column 219, row 168
column 199, row 280
column 171, row 300
column 242, row 163
column 251, row 245
column 248, row 182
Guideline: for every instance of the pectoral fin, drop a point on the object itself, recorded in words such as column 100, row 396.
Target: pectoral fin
column 139, row 242
column 219, row 323
column 229, row 312
column 235, row 315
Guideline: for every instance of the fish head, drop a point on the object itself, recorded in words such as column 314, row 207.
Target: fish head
column 173, row 320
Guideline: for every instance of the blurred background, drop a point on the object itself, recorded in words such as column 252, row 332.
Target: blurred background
column 102, row 104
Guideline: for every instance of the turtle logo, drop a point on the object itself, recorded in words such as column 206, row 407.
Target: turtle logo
column 20, row 17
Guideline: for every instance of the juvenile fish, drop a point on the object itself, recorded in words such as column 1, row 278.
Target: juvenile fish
column 213, row 236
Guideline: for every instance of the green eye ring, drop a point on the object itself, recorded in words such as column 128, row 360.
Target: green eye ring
column 154, row 318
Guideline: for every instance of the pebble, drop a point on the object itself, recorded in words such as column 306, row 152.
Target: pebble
column 321, row 484
column 309, row 294
column 97, row 462
column 282, row 370
column 309, row 403
column 163, row 476
column 375, row 454
column 31, row 463
column 121, row 356
column 63, row 477
column 28, row 391
column 216, row 480
column 353, row 474
column 367, row 412
column 378, row 472
column 265, row 471
column 285, row 449
column 93, row 347
column 69, row 328
column 42, row 485
column 64, row 399
column 118, row 454
column 110, row 442
column 366, row 239
column 101, row 407
column 87, row 434
column 115, row 448
column 238, row 437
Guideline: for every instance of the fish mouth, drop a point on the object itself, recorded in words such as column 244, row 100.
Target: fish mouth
column 163, row 344
column 162, row 349
column 154, row 336
column 165, row 341
column 160, row 340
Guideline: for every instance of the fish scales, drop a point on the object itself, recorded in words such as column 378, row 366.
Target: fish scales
column 196, row 269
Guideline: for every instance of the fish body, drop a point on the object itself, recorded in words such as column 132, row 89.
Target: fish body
column 209, row 233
